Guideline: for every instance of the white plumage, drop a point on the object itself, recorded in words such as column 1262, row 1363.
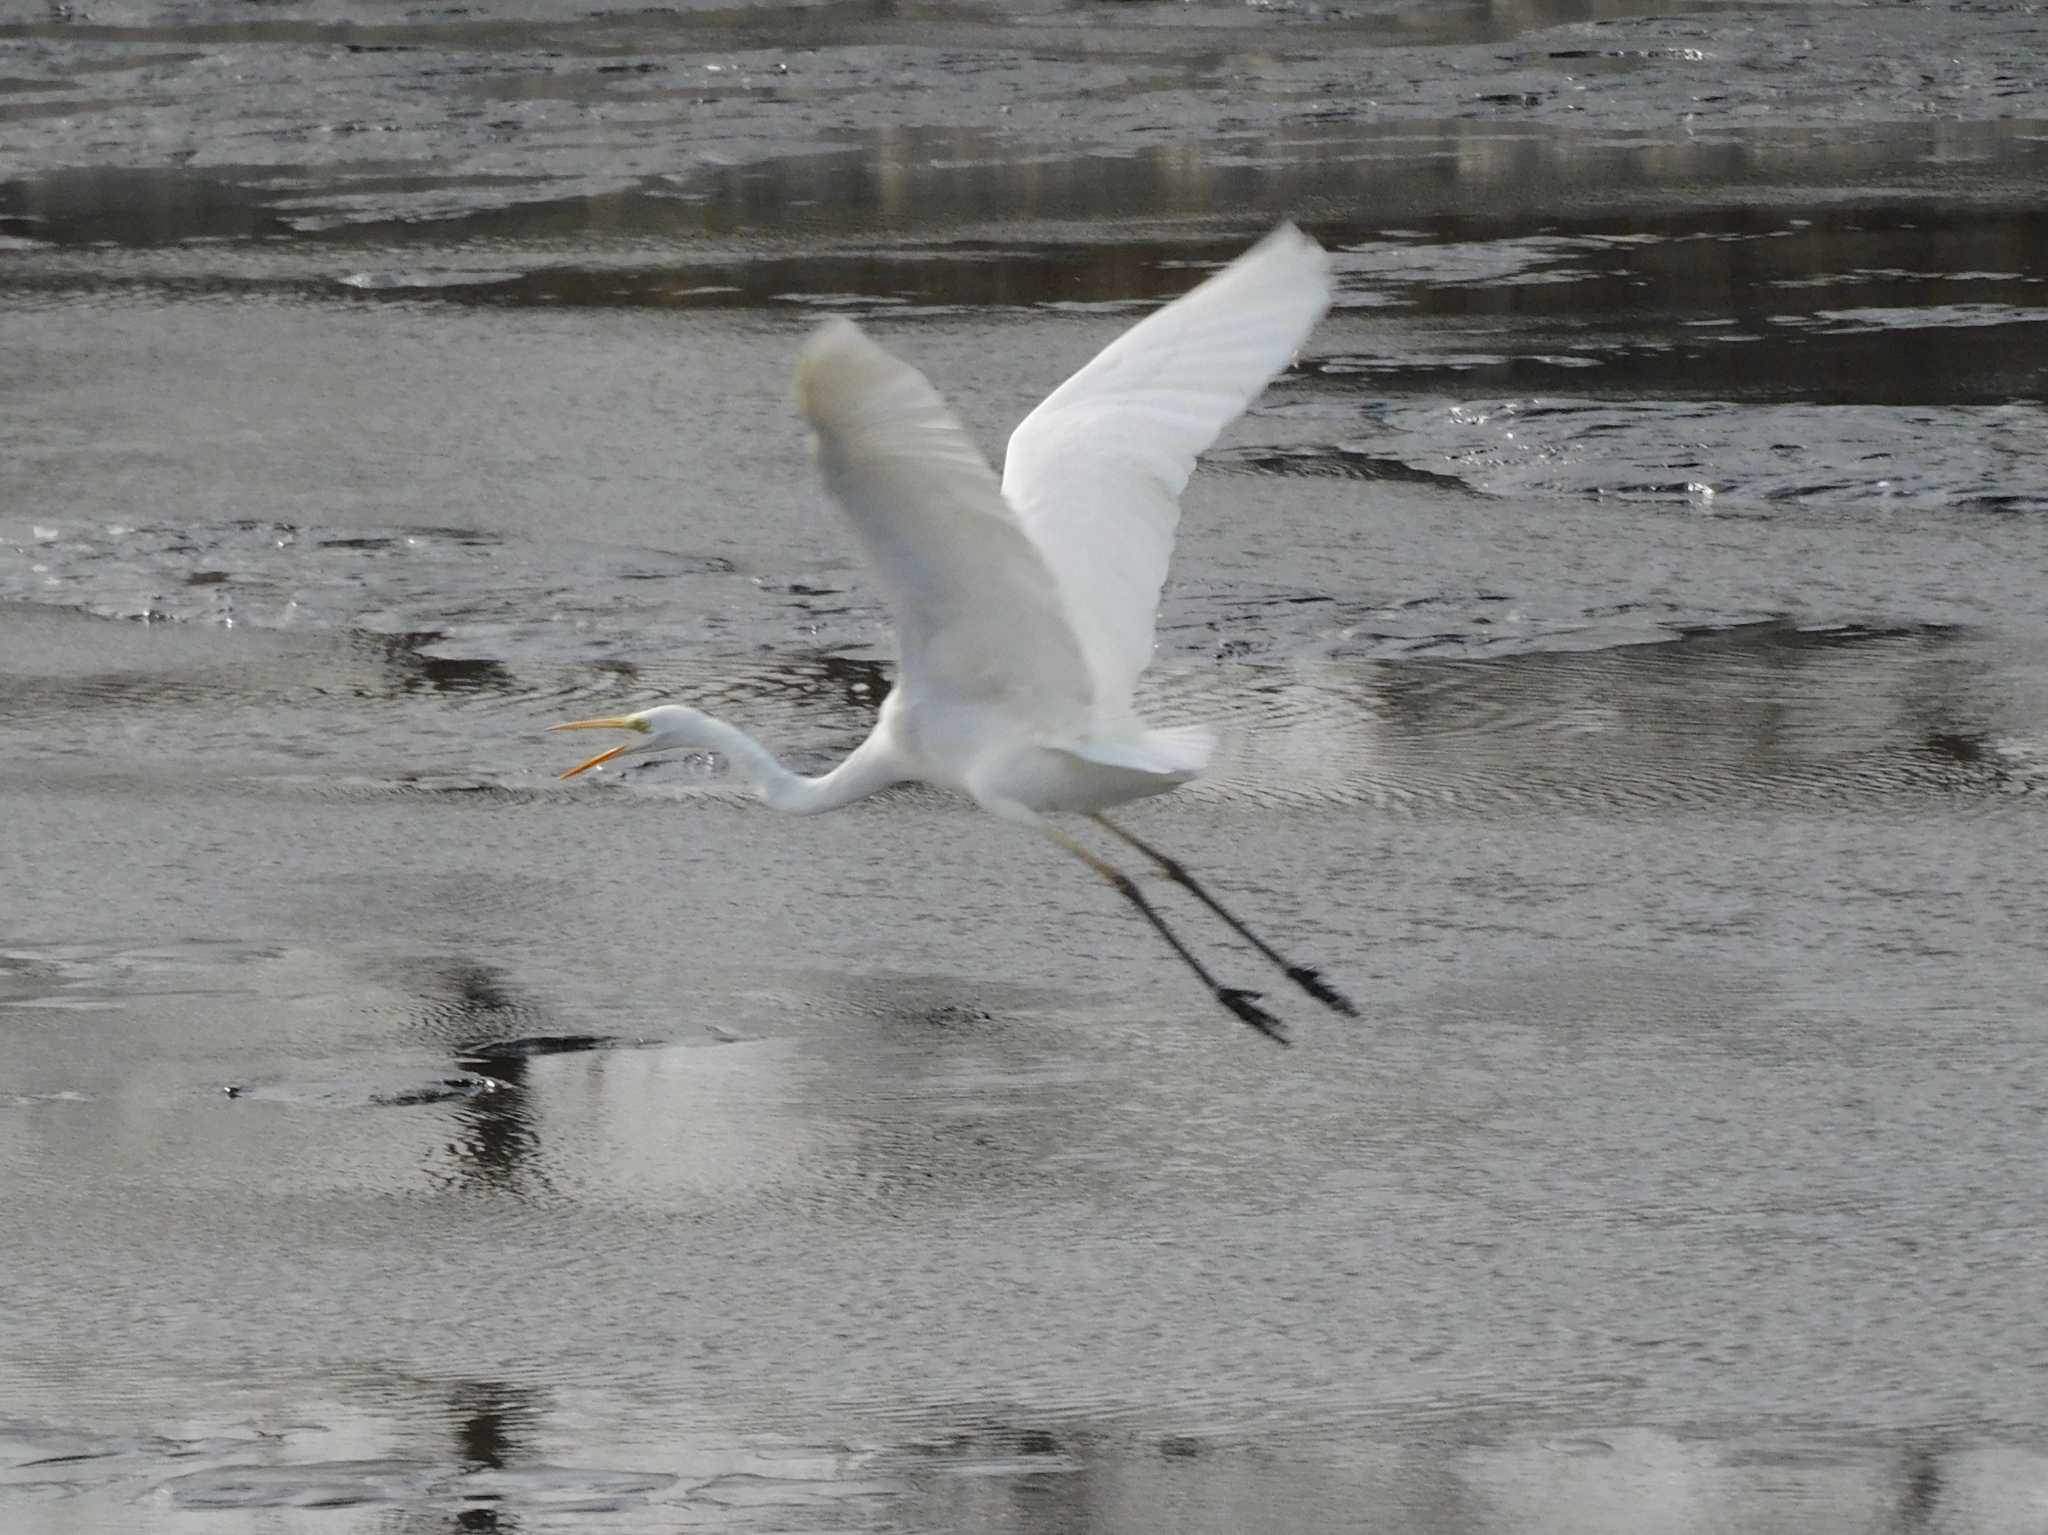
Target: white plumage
column 1095, row 473
column 1024, row 608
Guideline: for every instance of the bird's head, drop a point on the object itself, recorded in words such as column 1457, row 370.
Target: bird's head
column 671, row 727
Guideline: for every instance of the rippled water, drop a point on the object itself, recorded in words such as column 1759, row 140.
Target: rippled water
column 1627, row 628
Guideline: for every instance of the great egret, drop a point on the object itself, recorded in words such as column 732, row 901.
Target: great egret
column 1024, row 609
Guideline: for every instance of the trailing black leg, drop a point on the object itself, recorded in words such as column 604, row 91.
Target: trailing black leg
column 1306, row 977
column 1240, row 1002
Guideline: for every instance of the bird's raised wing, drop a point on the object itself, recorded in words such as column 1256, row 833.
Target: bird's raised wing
column 979, row 614
column 1096, row 471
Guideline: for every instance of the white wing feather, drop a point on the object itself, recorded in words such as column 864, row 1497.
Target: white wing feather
column 1095, row 473
column 979, row 614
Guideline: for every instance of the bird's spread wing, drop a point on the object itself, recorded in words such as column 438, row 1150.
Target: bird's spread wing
column 1096, row 471
column 979, row 614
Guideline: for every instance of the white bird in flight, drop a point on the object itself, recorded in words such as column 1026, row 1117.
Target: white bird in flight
column 1024, row 607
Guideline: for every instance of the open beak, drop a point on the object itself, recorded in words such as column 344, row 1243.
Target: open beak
column 622, row 722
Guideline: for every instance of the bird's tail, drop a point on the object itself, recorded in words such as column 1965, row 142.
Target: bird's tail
column 1180, row 751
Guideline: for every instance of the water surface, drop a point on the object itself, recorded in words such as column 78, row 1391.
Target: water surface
column 1626, row 627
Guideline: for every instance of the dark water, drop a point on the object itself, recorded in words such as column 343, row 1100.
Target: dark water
column 1628, row 627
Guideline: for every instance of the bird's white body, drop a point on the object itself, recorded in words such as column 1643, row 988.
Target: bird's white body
column 981, row 751
column 1024, row 607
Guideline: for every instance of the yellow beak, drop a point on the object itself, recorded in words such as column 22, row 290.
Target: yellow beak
column 622, row 722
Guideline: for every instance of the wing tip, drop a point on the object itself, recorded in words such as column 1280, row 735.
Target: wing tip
column 1288, row 242
column 1182, row 749
column 834, row 369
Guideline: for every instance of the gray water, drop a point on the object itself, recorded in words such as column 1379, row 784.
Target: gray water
column 1627, row 624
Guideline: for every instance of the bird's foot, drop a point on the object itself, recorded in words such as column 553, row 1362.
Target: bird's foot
column 1311, row 981
column 1246, row 1005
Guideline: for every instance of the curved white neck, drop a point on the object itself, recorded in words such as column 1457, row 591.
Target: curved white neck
column 868, row 769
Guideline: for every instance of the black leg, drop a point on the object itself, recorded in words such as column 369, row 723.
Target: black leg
column 1306, row 977
column 1240, row 1002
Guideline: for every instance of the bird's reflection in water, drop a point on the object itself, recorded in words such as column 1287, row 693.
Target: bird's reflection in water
column 497, row 1142
column 468, row 1007
column 463, row 1003
column 492, row 1422
column 1920, row 1487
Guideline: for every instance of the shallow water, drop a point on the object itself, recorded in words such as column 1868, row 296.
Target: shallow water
column 1626, row 626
